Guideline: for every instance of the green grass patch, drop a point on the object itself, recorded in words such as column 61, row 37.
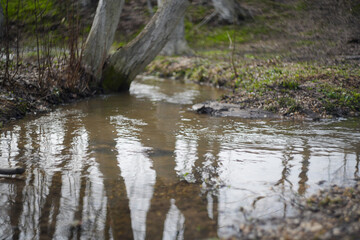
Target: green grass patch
column 215, row 36
column 338, row 96
column 290, row 84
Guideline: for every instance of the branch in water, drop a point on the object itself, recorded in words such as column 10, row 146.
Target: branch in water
column 11, row 171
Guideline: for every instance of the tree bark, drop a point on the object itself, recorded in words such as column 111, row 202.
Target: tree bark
column 127, row 62
column 177, row 44
column 230, row 10
column 101, row 37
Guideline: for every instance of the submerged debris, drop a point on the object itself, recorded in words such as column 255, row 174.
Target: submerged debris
column 12, row 171
column 231, row 110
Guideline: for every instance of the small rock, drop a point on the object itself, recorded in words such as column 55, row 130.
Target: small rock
column 311, row 226
column 336, row 231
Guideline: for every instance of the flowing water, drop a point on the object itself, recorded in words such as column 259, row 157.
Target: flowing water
column 140, row 165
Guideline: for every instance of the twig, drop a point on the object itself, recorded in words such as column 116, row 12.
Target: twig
column 206, row 19
column 232, row 47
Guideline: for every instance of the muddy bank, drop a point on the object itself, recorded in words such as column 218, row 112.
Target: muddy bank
column 329, row 214
column 24, row 95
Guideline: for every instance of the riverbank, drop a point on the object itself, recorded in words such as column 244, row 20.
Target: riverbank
column 25, row 94
column 330, row 214
column 274, row 86
column 290, row 89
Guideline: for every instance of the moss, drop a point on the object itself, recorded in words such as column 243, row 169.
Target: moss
column 117, row 45
column 113, row 81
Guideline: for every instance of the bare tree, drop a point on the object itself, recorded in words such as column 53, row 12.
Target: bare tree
column 177, row 44
column 230, row 10
column 101, row 36
column 127, row 62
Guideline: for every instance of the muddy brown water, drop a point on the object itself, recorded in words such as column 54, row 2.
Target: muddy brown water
column 141, row 166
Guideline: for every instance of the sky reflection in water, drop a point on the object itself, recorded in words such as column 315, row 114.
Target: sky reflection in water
column 139, row 165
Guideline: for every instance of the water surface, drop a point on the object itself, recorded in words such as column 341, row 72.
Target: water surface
column 141, row 166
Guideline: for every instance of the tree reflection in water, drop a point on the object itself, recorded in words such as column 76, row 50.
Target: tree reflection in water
column 139, row 165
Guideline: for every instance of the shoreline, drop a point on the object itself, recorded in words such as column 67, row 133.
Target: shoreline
column 298, row 100
column 292, row 90
column 329, row 214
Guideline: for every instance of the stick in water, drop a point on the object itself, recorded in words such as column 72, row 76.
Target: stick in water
column 11, row 171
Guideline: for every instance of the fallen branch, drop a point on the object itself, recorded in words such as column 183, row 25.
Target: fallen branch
column 355, row 57
column 11, row 171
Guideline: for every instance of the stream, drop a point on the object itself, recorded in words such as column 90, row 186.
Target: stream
column 140, row 165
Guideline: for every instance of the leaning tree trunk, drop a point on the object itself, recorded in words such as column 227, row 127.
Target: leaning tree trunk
column 101, row 37
column 177, row 44
column 127, row 62
column 230, row 10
